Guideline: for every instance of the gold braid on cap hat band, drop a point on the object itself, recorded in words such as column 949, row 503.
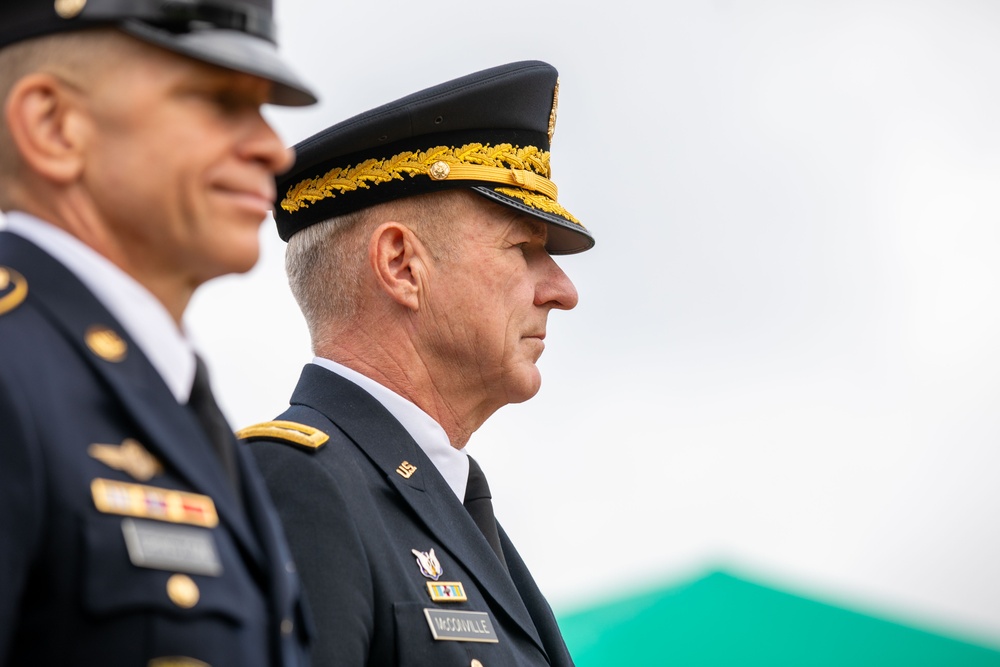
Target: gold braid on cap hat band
column 525, row 168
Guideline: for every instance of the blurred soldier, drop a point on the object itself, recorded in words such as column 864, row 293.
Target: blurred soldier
column 420, row 241
column 134, row 166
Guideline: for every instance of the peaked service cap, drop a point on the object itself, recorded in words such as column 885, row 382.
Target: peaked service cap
column 489, row 132
column 235, row 34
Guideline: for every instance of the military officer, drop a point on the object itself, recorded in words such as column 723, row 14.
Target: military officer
column 134, row 166
column 421, row 236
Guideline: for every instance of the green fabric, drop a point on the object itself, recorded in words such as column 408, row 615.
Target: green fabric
column 721, row 620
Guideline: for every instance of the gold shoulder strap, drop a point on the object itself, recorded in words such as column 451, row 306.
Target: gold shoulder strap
column 293, row 433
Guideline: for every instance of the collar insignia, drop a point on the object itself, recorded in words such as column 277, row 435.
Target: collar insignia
column 430, row 567
column 129, row 457
column 106, row 343
column 406, row 469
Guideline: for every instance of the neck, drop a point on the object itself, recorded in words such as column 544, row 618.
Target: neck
column 77, row 218
column 398, row 367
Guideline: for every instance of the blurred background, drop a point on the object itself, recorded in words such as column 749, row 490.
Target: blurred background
column 769, row 432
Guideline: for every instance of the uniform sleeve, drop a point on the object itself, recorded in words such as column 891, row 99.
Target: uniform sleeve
column 328, row 551
column 21, row 503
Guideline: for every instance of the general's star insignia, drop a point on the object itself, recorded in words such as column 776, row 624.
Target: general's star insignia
column 129, row 457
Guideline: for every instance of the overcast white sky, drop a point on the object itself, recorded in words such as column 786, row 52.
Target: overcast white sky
column 785, row 356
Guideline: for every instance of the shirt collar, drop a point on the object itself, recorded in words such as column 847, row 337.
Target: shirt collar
column 453, row 464
column 140, row 313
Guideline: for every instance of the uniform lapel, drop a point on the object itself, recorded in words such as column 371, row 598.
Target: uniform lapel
column 376, row 432
column 169, row 430
column 538, row 606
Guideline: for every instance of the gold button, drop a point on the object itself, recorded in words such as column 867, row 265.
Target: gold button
column 439, row 171
column 475, row 663
column 106, row 344
column 182, row 591
column 67, row 9
column 287, row 626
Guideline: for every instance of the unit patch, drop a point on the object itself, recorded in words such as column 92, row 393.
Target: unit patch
column 430, row 566
column 161, row 546
column 150, row 502
column 461, row 626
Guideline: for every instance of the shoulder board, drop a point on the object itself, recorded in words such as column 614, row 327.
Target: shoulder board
column 292, row 433
column 13, row 289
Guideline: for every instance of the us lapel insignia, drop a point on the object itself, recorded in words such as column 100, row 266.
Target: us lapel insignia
column 406, row 469
column 446, row 591
column 129, row 457
column 430, row 567
column 106, row 344
column 150, row 502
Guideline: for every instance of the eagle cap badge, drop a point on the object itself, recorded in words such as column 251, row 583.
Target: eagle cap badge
column 430, row 566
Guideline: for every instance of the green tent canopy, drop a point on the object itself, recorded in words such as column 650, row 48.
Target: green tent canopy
column 721, row 620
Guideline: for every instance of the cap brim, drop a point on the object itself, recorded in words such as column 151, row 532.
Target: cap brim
column 565, row 237
column 233, row 50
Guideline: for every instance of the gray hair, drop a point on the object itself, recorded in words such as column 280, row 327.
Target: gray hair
column 326, row 262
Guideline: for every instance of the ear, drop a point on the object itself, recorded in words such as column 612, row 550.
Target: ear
column 399, row 262
column 46, row 125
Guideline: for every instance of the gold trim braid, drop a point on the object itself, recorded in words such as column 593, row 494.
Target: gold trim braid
column 15, row 296
column 540, row 202
column 526, row 168
column 295, row 433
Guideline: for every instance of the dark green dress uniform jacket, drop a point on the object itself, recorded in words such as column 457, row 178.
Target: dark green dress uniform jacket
column 69, row 591
column 353, row 520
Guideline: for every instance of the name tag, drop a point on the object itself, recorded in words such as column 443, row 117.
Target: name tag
column 163, row 546
column 461, row 626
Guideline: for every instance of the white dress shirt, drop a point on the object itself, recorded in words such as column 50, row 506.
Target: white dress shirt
column 453, row 464
column 140, row 313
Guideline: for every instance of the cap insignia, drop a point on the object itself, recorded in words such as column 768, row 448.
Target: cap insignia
column 68, row 9
column 552, row 114
column 430, row 566
column 106, row 344
column 129, row 457
column 13, row 289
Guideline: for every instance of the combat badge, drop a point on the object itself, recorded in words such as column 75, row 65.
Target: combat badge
column 13, row 289
column 150, row 502
column 430, row 567
column 446, row 591
column 129, row 457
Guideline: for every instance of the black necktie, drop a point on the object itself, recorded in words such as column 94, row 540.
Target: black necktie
column 479, row 504
column 214, row 423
